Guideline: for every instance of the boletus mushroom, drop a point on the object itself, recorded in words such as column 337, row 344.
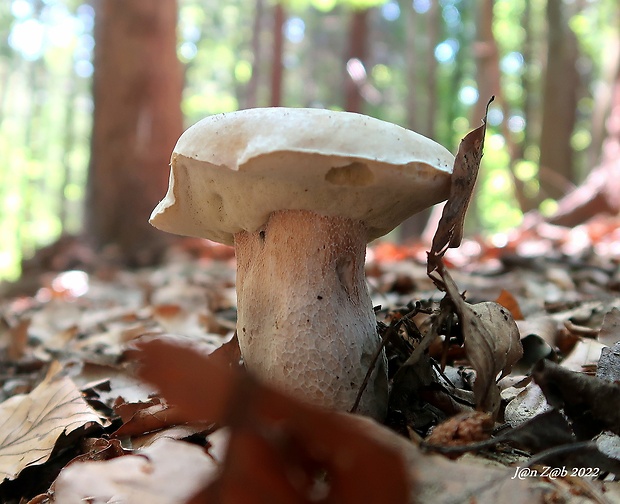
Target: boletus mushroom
column 299, row 193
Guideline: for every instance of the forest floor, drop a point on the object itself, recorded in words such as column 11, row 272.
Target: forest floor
column 80, row 423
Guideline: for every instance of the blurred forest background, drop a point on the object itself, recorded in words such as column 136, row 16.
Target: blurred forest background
column 93, row 95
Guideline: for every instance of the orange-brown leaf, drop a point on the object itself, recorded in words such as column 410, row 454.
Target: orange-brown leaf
column 508, row 301
column 149, row 419
column 279, row 445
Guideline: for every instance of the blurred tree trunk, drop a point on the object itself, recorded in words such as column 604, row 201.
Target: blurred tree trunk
column 357, row 53
column 434, row 33
column 486, row 55
column 67, row 147
column 423, row 118
column 464, row 38
column 604, row 91
column 33, row 185
column 414, row 225
column 412, row 67
column 600, row 192
column 559, row 106
column 488, row 80
column 527, row 79
column 252, row 89
column 137, row 120
column 277, row 67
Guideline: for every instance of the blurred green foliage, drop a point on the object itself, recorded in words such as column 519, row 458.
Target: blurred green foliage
column 46, row 107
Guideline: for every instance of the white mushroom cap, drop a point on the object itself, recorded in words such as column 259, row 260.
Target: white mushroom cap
column 231, row 171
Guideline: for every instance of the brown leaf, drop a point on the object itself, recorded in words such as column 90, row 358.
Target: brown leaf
column 18, row 340
column 149, row 419
column 593, row 404
column 96, row 449
column 462, row 429
column 466, row 164
column 32, row 423
column 126, row 410
column 609, row 364
column 179, row 432
column 492, row 342
column 278, row 444
column 230, row 351
column 508, row 301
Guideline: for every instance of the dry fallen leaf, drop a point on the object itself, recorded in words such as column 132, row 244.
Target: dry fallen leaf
column 492, row 342
column 167, row 472
column 150, row 418
column 610, row 331
column 508, row 301
column 591, row 403
column 18, row 340
column 110, row 383
column 528, row 403
column 278, row 446
column 584, row 355
column 32, row 423
column 466, row 164
column 279, row 441
column 539, row 335
column 443, row 481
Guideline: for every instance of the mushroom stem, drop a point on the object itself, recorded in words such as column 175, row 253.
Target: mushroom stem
column 305, row 318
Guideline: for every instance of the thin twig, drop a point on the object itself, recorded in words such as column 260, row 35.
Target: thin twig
column 389, row 332
column 373, row 363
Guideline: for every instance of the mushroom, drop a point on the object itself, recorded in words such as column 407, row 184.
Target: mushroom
column 300, row 192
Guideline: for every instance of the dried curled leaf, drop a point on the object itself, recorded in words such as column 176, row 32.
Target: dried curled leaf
column 492, row 342
column 32, row 423
column 466, row 164
column 278, row 445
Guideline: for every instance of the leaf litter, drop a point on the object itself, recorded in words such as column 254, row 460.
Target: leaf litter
column 467, row 412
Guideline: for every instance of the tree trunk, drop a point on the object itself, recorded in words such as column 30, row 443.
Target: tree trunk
column 527, row 79
column 67, row 147
column 487, row 61
column 137, row 120
column 604, row 92
column 600, row 192
column 434, row 31
column 277, row 67
column 412, row 67
column 488, row 80
column 358, row 50
column 252, row 89
column 412, row 227
column 559, row 106
column 427, row 110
